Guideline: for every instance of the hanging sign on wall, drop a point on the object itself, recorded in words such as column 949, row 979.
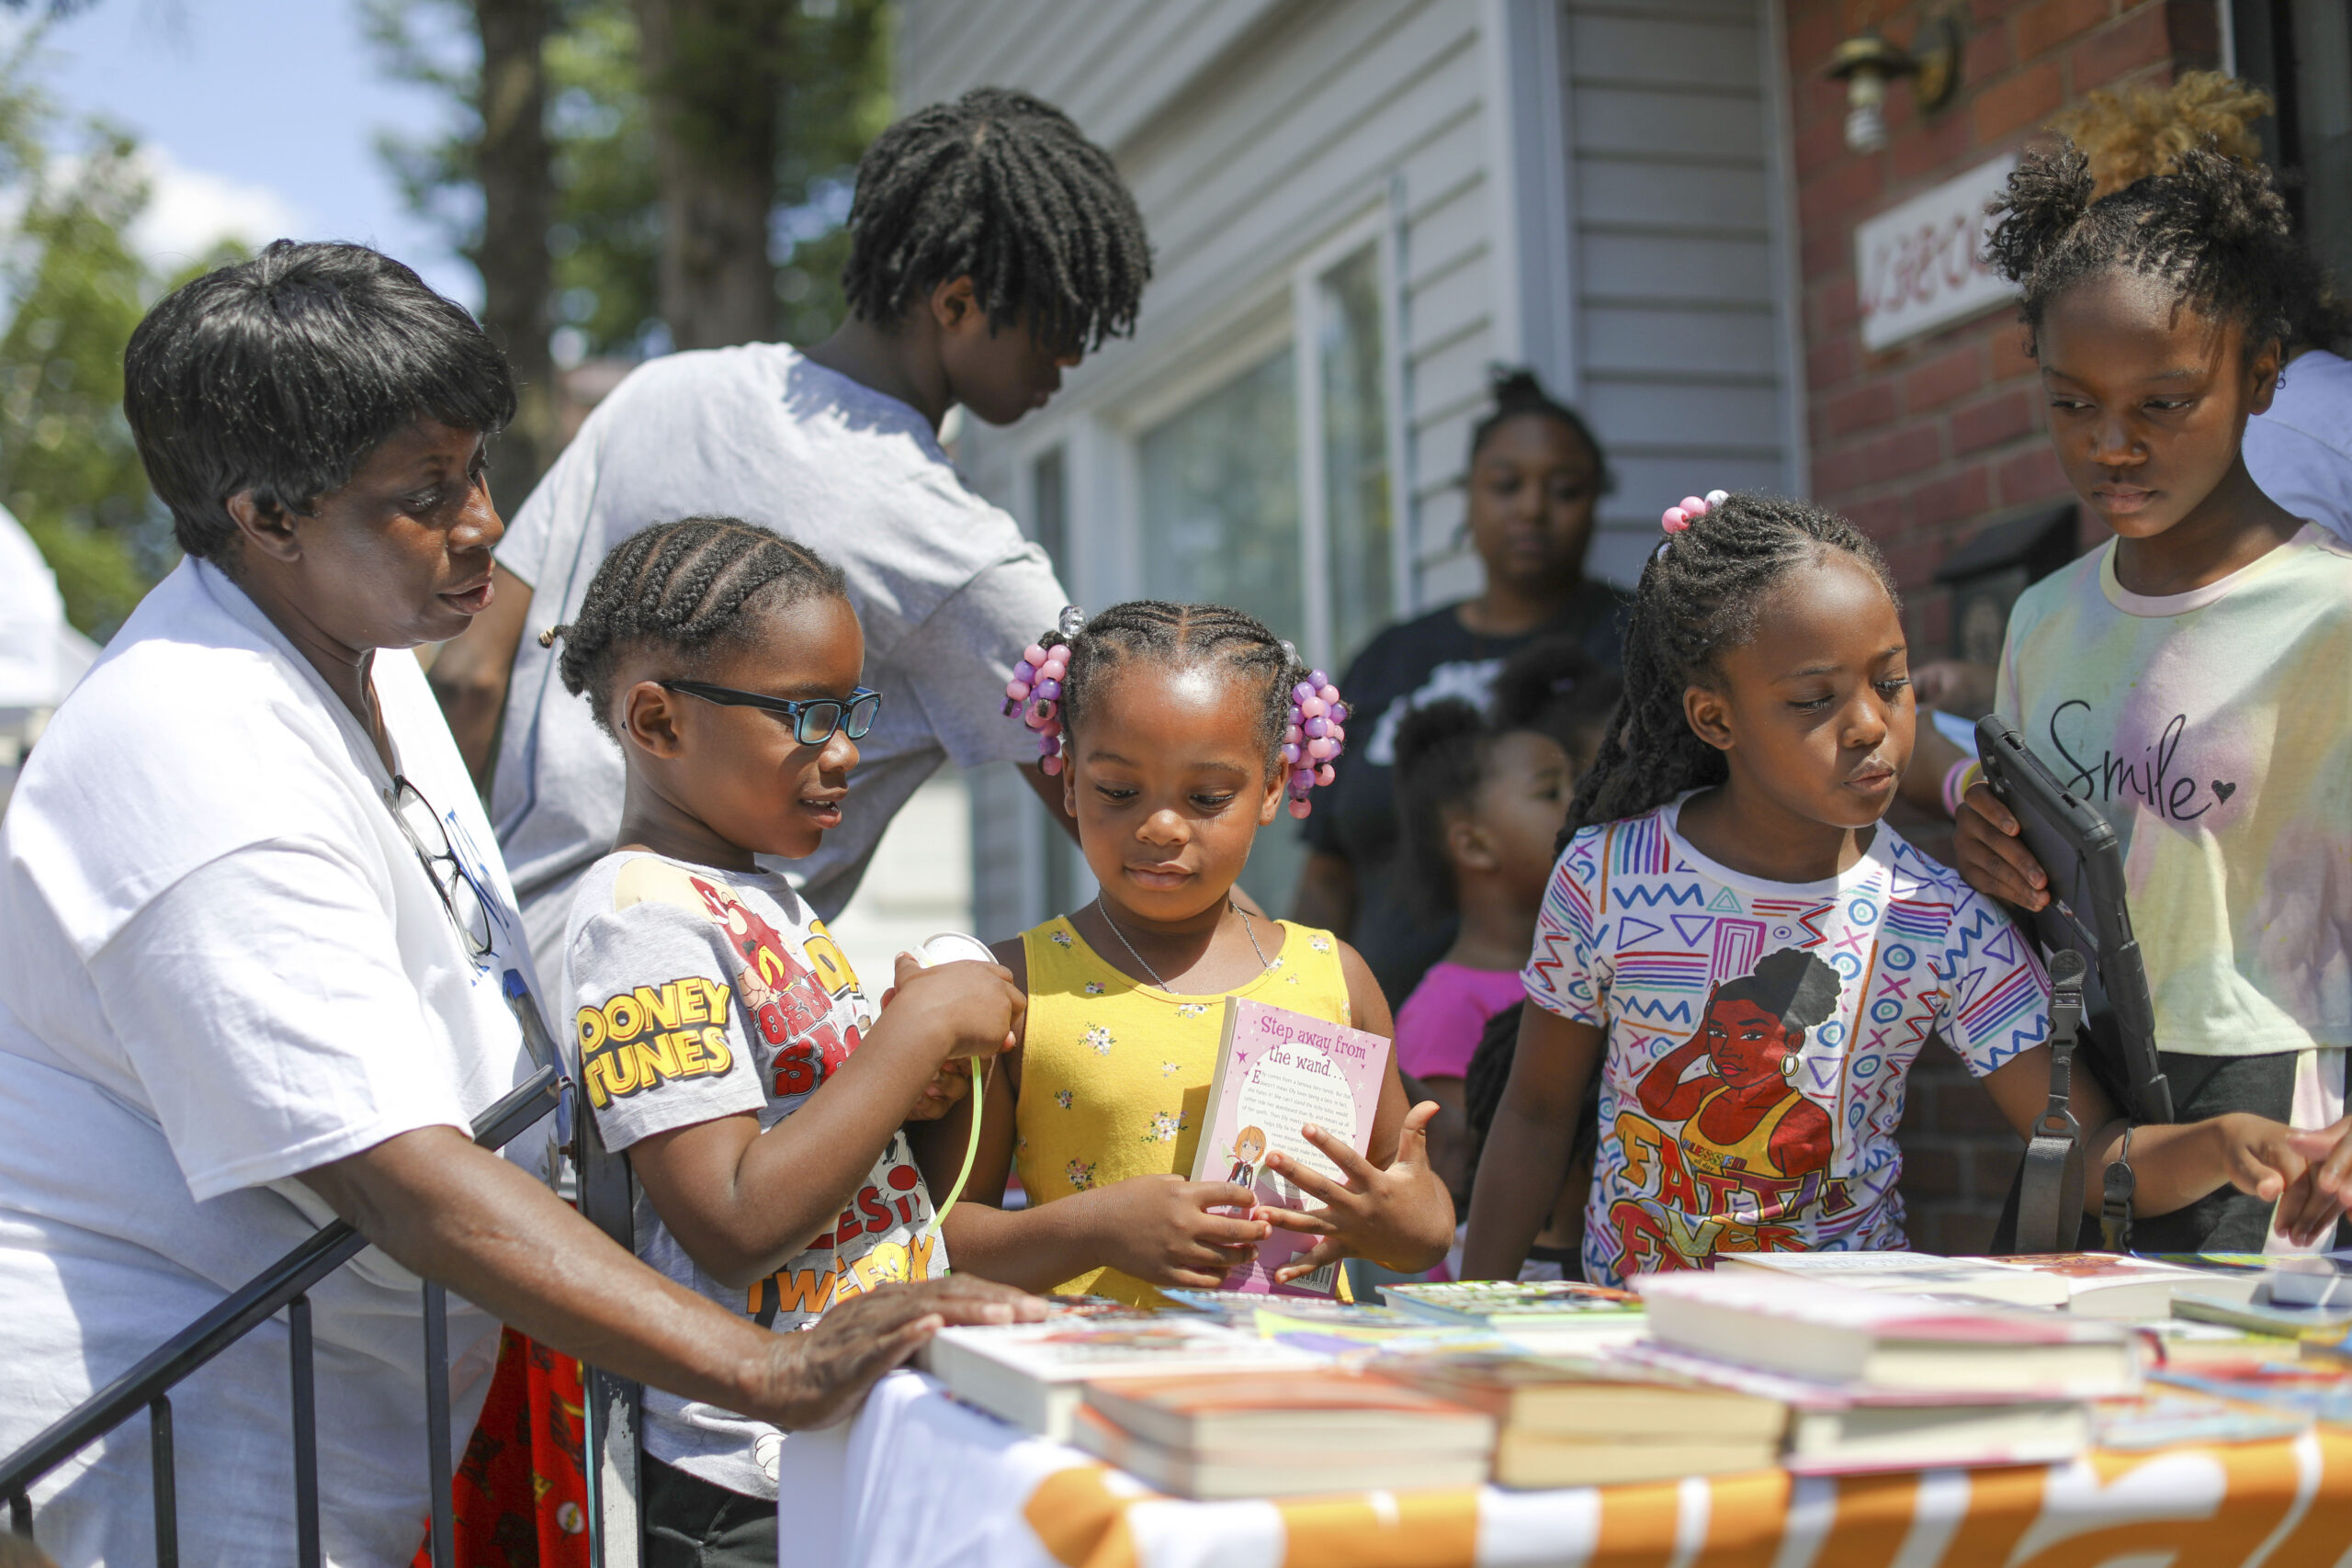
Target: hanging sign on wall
column 1920, row 265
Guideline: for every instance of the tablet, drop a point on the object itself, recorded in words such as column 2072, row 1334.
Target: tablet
column 2079, row 850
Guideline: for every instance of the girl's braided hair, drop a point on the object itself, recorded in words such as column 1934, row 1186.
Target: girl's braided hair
column 688, row 588
column 2213, row 230
column 1183, row 637
column 1001, row 188
column 1699, row 599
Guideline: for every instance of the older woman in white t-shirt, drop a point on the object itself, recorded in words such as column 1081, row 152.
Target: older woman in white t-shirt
column 256, row 949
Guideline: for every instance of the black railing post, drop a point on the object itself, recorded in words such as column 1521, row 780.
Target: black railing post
column 168, row 1491
column 20, row 1514
column 306, row 1433
column 436, row 1422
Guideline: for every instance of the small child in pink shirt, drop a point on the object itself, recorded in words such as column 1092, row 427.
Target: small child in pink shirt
column 1479, row 807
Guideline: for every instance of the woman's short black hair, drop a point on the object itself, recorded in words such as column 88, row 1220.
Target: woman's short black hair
column 1000, row 187
column 1517, row 391
column 281, row 375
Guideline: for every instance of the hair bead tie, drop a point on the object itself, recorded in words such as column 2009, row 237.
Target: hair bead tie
column 1676, row 519
column 1034, row 692
column 1315, row 736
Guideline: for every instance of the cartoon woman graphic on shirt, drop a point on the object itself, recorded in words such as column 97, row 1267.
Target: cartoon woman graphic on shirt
column 1744, row 1113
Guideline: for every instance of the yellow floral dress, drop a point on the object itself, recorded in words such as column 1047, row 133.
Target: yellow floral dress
column 1115, row 1073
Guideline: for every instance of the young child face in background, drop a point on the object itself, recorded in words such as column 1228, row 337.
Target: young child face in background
column 2148, row 398
column 741, row 772
column 1816, row 712
column 1520, row 805
column 1170, row 783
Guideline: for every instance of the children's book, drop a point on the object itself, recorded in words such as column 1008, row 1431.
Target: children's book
column 1598, row 1398
column 2324, row 1281
column 2262, row 1316
column 1953, row 1345
column 1851, row 1427
column 2314, row 1393
column 1550, row 1307
column 1276, row 1071
column 2166, row 1417
column 1345, row 1329
column 2182, row 1346
column 1030, row 1373
column 2090, row 1284
column 1286, row 1469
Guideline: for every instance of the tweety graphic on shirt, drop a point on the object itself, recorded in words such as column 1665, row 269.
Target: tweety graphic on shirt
column 797, row 1014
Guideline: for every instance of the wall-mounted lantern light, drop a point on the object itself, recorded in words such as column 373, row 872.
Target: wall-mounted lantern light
column 1867, row 62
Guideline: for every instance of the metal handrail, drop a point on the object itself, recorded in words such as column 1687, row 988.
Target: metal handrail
column 283, row 1286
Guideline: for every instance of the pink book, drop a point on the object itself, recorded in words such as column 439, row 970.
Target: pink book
column 1276, row 1071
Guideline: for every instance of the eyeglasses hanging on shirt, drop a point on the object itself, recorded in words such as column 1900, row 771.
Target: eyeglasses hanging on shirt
column 812, row 720
column 467, row 901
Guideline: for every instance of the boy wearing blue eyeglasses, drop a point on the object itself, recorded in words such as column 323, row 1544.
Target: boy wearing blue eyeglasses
column 722, row 1039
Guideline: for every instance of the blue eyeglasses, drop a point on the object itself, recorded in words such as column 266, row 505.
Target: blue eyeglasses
column 812, row 720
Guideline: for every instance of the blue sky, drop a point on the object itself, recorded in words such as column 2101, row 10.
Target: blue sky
column 259, row 115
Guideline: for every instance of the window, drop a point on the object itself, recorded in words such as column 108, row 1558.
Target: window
column 1361, row 545
column 1220, row 499
column 2301, row 51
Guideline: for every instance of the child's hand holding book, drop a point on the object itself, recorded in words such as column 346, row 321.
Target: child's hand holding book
column 1401, row 1218
column 1168, row 1231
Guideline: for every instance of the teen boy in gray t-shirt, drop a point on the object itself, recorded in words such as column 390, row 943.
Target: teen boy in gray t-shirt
column 991, row 246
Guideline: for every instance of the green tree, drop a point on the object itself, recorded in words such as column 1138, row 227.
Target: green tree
column 766, row 102
column 76, row 288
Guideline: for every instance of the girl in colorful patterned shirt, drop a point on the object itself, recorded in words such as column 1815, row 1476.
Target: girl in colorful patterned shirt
column 1750, row 958
column 1176, row 729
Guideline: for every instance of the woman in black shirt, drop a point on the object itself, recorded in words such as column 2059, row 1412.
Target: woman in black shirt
column 1535, row 475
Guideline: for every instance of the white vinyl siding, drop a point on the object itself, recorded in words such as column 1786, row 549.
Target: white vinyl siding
column 1630, row 250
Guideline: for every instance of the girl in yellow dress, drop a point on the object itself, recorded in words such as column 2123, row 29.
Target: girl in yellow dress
column 1176, row 730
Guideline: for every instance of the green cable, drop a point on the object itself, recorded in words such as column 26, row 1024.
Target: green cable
column 971, row 1149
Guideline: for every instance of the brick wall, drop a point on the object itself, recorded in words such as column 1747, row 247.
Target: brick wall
column 1925, row 444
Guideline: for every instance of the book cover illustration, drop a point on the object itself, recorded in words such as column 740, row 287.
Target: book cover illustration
column 1505, row 1303
column 1276, row 1072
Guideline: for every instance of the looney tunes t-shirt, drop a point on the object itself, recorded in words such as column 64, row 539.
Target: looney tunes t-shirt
column 2214, row 730
column 1760, row 1035
column 696, row 994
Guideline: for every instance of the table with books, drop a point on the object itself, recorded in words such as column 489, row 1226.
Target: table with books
column 1822, row 1410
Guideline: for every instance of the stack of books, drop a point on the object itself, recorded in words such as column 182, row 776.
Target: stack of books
column 1600, row 1420
column 1886, row 1379
column 1033, row 1374
column 1281, row 1434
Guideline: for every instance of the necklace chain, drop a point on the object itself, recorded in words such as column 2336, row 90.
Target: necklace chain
column 1248, row 928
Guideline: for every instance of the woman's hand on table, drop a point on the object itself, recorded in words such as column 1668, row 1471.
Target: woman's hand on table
column 1401, row 1218
column 820, row 1376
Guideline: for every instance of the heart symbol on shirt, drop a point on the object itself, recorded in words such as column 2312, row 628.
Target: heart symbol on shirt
column 2223, row 790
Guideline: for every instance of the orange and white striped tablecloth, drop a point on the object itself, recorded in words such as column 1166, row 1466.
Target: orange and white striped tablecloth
column 919, row 1480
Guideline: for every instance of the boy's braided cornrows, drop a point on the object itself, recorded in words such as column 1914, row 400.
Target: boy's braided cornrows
column 684, row 586
column 1002, row 188
column 2211, row 229
column 1699, row 599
